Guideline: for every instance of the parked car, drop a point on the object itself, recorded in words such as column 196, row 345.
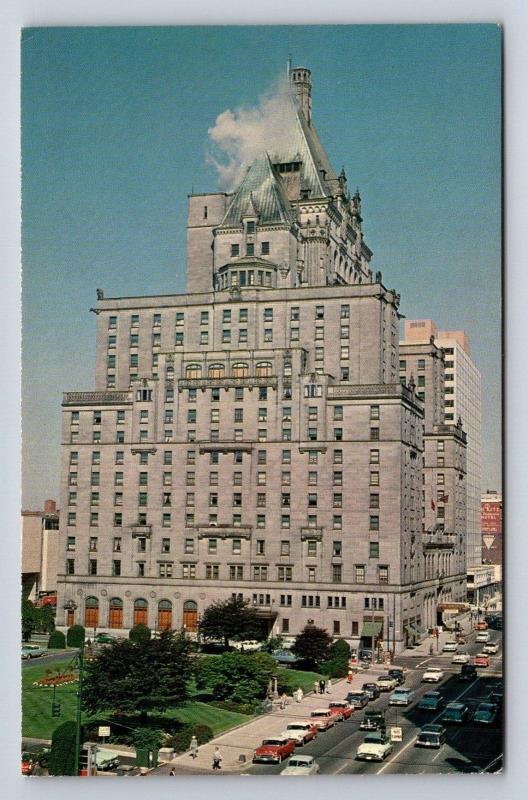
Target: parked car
column 365, row 654
column 461, row 658
column 274, row 750
column 106, row 759
column 323, row 718
column 481, row 660
column 455, row 713
column 450, row 647
column 398, row 673
column 300, row 732
column 376, row 747
column 497, row 698
column 401, row 697
column 285, row 657
column 248, row 645
column 100, row 638
column 491, row 648
column 431, row 736
column 481, row 626
column 357, row 699
column 32, row 651
column 433, row 675
column 386, row 683
column 431, row 701
column 301, row 765
column 341, row 708
column 468, row 672
column 483, row 636
column 372, row 689
column 486, row 714
column 373, row 720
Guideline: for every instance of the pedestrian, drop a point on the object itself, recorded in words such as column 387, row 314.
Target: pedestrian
column 194, row 747
column 283, row 701
column 173, row 772
column 316, row 687
column 217, row 758
column 350, row 676
column 329, row 685
column 299, row 694
column 321, row 686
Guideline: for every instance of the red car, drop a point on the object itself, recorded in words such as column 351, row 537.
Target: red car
column 481, row 660
column 341, row 709
column 27, row 764
column 481, row 626
column 272, row 751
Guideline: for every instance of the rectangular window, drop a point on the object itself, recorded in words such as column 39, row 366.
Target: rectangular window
column 374, row 434
column 116, row 568
column 285, row 521
column 70, row 543
column 319, row 332
column 374, row 549
column 260, row 573
column 118, row 519
column 250, row 248
column 373, row 522
column 311, row 547
column 359, row 571
column 337, row 522
column 188, row 546
column 265, row 248
column 261, row 499
column 236, row 546
column 94, row 499
column 337, row 549
column 338, row 434
column 383, row 574
column 374, row 456
column 284, row 573
column 286, row 457
column 261, row 520
column 189, row 571
column 374, row 500
column 337, row 500
column 374, row 478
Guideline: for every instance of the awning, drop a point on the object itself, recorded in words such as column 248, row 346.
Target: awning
column 371, row 629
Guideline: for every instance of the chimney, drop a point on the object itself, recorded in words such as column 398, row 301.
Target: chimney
column 302, row 85
column 50, row 506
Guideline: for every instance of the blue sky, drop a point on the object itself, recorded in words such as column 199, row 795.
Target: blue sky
column 115, row 135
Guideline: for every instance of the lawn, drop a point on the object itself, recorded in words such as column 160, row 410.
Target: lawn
column 37, row 721
column 296, row 677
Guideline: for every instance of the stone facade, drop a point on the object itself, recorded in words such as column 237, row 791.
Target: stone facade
column 252, row 437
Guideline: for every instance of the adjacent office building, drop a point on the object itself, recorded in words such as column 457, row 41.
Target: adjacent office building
column 252, row 437
column 40, row 546
column 491, row 525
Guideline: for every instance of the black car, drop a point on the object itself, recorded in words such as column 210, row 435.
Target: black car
column 398, row 673
column 373, row 720
column 455, row 713
column 357, row 699
column 364, row 654
column 468, row 672
column 372, row 689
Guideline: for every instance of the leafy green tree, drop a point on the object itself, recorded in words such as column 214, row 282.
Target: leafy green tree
column 236, row 676
column 312, row 646
column 75, row 636
column 62, row 753
column 140, row 633
column 56, row 641
column 46, row 619
column 139, row 677
column 273, row 643
column 29, row 619
column 340, row 649
column 231, row 619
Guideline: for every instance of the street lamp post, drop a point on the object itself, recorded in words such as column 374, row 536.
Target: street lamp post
column 72, row 606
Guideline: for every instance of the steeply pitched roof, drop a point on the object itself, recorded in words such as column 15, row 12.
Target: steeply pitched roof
column 261, row 192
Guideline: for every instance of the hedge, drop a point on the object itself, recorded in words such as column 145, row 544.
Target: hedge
column 57, row 641
column 75, row 636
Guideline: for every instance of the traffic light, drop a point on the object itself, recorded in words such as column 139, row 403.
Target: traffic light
column 55, row 709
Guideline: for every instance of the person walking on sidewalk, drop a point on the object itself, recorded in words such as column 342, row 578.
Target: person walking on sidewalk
column 299, row 694
column 193, row 747
column 316, row 687
column 283, row 701
column 321, row 686
column 329, row 686
column 217, row 758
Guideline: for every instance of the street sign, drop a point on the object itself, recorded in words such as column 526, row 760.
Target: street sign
column 103, row 731
column 396, row 734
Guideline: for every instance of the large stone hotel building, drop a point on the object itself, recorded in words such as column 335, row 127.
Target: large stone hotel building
column 253, row 438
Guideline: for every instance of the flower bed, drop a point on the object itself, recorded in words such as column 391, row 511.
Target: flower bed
column 56, row 680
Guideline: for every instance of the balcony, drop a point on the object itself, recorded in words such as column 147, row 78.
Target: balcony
column 140, row 530
column 227, row 383
column 438, row 541
column 312, row 533
column 226, row 447
column 224, row 531
column 349, row 391
column 95, row 398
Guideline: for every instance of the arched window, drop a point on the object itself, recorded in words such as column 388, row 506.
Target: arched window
column 263, row 369
column 164, row 615
column 140, row 611
column 190, row 616
column 240, row 369
column 115, row 613
column 193, row 371
column 216, row 371
column 91, row 612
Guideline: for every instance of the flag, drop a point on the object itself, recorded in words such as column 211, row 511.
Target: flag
column 445, row 498
column 433, row 505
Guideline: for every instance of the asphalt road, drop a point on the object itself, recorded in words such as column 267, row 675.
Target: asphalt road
column 468, row 747
column 47, row 659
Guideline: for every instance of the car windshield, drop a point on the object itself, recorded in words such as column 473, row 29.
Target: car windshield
column 297, row 763
column 337, row 705
column 272, row 741
column 487, row 707
column 453, row 713
column 319, row 713
column 355, row 696
column 294, row 727
column 374, row 738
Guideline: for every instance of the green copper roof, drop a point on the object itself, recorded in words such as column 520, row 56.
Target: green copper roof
column 261, row 194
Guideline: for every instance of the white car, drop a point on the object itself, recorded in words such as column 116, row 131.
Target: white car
column 323, row 718
column 461, row 658
column 386, row 683
column 401, row 697
column 32, row 651
column 300, row 732
column 432, row 675
column 301, row 765
column 247, row 645
column 491, row 648
column 450, row 647
column 483, row 636
column 376, row 747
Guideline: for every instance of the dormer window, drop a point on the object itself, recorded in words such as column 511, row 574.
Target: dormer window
column 250, row 226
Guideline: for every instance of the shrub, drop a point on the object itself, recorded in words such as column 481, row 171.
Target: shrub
column 56, row 641
column 181, row 740
column 140, row 633
column 238, row 708
column 62, row 753
column 340, row 649
column 75, row 636
column 203, row 733
column 335, row 667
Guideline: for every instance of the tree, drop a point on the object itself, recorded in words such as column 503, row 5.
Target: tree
column 138, row 677
column 336, row 666
column 29, row 620
column 75, row 636
column 312, row 645
column 231, row 619
column 139, row 633
column 236, row 676
column 56, row 641
column 46, row 619
column 62, row 753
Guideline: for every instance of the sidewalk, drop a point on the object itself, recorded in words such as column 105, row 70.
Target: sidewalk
column 238, row 744
column 422, row 649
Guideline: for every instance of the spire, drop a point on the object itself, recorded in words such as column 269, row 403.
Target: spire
column 302, row 86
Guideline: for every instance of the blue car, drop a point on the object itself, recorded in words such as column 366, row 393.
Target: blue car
column 285, row 657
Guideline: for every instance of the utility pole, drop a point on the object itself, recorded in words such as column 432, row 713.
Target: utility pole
column 79, row 711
